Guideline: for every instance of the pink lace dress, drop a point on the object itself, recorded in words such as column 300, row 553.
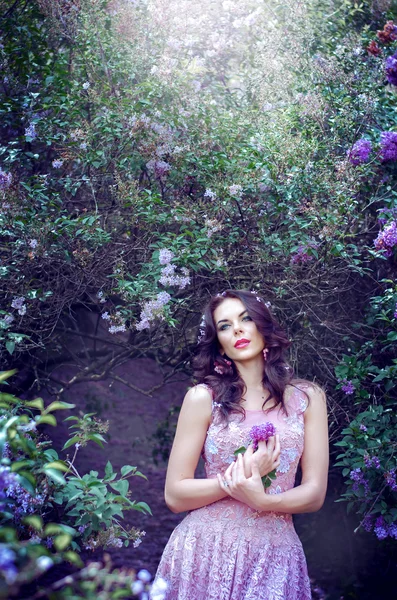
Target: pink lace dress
column 228, row 551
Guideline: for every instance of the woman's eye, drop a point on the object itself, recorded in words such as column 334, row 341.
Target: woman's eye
column 222, row 327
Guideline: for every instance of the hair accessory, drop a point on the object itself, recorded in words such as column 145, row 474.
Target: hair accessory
column 202, row 329
column 265, row 351
column 219, row 368
column 220, row 294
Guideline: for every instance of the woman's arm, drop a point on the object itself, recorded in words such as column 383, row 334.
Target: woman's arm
column 310, row 494
column 182, row 491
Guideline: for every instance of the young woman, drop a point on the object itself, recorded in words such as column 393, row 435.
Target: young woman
column 238, row 540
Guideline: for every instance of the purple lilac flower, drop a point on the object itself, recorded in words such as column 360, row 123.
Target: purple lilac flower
column 165, row 256
column 160, row 167
column 371, row 462
column 391, row 479
column 393, row 530
column 7, row 478
column 261, row 433
column 395, row 311
column 30, row 131
column 57, row 164
column 386, row 214
column 359, row 152
column 391, row 69
column 5, row 180
column 358, row 478
column 363, row 427
column 388, row 144
column 347, row 387
column 387, row 239
column 33, row 243
column 7, row 566
column 368, row 523
column 380, row 528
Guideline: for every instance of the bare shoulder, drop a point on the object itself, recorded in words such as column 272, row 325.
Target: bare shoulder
column 199, row 398
column 315, row 392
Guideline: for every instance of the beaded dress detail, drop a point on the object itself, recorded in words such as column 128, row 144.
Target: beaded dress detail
column 228, row 551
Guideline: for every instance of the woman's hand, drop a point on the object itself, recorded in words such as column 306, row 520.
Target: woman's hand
column 245, row 489
column 267, row 456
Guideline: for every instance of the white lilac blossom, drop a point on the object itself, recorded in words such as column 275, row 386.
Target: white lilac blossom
column 165, row 256
column 106, row 316
column 86, row 85
column 33, row 243
column 57, row 164
column 168, row 276
column 209, row 194
column 159, row 589
column 152, row 309
column 5, row 180
column 83, row 146
column 235, row 190
column 18, row 303
column 30, row 131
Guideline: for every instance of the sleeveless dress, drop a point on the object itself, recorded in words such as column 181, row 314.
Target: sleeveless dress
column 228, row 551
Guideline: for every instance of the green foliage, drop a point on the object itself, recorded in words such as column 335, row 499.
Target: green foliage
column 37, row 486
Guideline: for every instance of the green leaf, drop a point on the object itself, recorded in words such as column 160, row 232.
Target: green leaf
column 143, row 507
column 37, row 403
column 58, row 405
column 60, row 465
column 49, row 419
column 34, row 521
column 240, row 450
column 120, row 486
column 55, row 476
column 70, row 442
column 6, row 374
column 126, row 469
column 73, row 558
column 62, row 541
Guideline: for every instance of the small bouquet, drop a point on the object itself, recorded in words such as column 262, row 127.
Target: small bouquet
column 260, row 433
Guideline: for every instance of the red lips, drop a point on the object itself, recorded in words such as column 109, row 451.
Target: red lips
column 242, row 342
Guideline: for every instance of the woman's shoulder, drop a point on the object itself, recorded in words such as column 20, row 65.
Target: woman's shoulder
column 199, row 394
column 302, row 392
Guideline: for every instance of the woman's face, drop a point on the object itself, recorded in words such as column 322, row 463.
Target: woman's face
column 233, row 325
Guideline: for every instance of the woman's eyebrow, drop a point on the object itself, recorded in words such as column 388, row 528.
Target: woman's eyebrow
column 222, row 320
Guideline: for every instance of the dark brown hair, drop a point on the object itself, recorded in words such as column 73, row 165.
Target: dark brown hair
column 228, row 387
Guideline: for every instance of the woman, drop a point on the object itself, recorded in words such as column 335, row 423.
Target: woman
column 238, row 541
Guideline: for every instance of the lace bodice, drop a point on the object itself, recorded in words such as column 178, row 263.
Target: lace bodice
column 221, row 442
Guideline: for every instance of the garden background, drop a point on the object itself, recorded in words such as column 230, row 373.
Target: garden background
column 152, row 153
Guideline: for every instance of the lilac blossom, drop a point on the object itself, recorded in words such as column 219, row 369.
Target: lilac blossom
column 261, row 433
column 371, row 462
column 359, row 152
column 18, row 302
column 368, row 523
column 363, row 427
column 387, row 239
column 391, row 69
column 390, row 477
column 86, row 85
column 7, row 564
column 165, row 256
column 57, row 164
column 30, row 131
column 385, row 214
column 395, row 311
column 5, row 180
column 358, row 478
column 388, row 144
column 393, row 530
column 152, row 309
column 168, row 276
column 209, row 194
column 235, row 190
column 160, row 167
column 117, row 328
column 381, row 528
column 347, row 387
column 33, row 243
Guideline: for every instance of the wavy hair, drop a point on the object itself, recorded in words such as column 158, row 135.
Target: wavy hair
column 228, row 387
